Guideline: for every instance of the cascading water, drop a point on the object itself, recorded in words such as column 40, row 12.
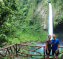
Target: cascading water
column 50, row 29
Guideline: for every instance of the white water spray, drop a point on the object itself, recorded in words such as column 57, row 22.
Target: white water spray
column 50, row 29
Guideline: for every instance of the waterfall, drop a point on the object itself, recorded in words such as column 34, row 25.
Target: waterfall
column 50, row 29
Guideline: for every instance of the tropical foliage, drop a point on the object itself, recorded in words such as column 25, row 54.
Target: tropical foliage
column 19, row 23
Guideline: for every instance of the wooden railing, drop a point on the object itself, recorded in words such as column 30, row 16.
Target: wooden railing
column 23, row 50
column 9, row 51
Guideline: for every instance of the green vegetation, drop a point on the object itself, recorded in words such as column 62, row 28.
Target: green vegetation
column 19, row 21
column 58, row 11
column 58, row 17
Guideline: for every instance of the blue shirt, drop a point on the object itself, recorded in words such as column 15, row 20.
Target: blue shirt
column 54, row 44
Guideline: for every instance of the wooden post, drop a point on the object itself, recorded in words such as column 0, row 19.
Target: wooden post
column 0, row 57
column 16, row 49
column 9, row 53
column 44, row 52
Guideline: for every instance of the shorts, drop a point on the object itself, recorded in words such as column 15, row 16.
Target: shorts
column 54, row 52
column 48, row 53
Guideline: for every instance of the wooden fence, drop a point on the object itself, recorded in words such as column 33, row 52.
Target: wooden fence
column 23, row 50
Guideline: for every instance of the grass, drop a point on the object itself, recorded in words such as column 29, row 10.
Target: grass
column 28, row 36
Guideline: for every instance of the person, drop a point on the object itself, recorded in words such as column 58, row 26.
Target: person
column 48, row 47
column 55, row 46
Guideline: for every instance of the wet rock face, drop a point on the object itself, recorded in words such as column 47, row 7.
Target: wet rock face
column 44, row 25
column 42, row 10
column 59, row 28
